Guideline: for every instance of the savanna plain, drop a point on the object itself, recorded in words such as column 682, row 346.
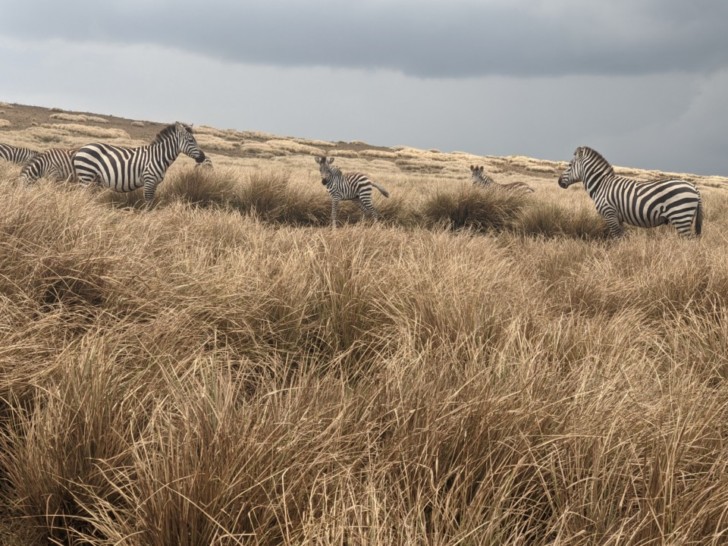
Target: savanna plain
column 476, row 368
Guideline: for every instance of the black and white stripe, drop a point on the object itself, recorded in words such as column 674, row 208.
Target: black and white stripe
column 16, row 154
column 481, row 179
column 624, row 200
column 125, row 169
column 55, row 164
column 355, row 187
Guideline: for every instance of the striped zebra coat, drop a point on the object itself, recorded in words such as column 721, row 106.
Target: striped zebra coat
column 619, row 199
column 16, row 154
column 481, row 179
column 55, row 164
column 125, row 169
column 355, row 187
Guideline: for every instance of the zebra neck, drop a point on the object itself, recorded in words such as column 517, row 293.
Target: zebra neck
column 334, row 176
column 595, row 182
column 165, row 151
column 483, row 180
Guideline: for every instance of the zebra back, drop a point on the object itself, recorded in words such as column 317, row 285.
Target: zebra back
column 481, row 179
column 516, row 186
column 16, row 154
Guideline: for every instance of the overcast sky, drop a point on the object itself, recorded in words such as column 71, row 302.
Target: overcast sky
column 645, row 82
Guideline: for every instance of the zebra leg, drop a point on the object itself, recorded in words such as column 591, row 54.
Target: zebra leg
column 683, row 226
column 367, row 208
column 150, row 186
column 334, row 209
column 615, row 226
column 54, row 174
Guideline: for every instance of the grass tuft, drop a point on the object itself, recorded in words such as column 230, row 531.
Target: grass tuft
column 476, row 368
column 478, row 209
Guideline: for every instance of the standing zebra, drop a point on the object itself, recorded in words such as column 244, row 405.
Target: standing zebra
column 482, row 179
column 56, row 164
column 125, row 169
column 644, row 204
column 16, row 154
column 347, row 187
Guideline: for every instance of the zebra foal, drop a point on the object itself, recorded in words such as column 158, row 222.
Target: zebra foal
column 355, row 187
column 56, row 164
column 481, row 179
column 619, row 199
column 125, row 169
column 16, row 154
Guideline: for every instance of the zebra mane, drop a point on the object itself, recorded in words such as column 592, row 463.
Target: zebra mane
column 595, row 158
column 168, row 131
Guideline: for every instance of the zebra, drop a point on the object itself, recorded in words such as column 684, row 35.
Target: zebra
column 482, row 179
column 16, row 154
column 125, row 169
column 205, row 164
column 56, row 164
column 355, row 187
column 619, row 199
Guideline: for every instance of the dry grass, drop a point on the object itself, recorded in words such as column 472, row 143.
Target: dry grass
column 226, row 369
column 108, row 133
column 480, row 209
column 79, row 118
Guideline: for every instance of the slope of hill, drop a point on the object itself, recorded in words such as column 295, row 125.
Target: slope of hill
column 224, row 368
column 40, row 128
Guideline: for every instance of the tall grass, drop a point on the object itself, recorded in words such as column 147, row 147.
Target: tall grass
column 479, row 209
column 226, row 369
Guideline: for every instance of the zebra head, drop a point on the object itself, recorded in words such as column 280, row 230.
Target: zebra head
column 187, row 143
column 586, row 166
column 325, row 167
column 574, row 171
column 479, row 177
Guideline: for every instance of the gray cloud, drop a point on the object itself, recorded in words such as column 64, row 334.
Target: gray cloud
column 642, row 81
column 456, row 38
column 630, row 118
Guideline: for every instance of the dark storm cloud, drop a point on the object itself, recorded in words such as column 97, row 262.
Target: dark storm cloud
column 425, row 38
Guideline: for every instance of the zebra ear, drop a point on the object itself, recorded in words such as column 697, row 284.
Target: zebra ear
column 330, row 160
column 318, row 159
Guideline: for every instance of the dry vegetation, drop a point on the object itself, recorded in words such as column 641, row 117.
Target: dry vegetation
column 478, row 368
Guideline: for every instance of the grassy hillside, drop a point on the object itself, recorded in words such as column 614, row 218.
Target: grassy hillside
column 475, row 369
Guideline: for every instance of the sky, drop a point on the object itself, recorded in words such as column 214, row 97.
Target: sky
column 645, row 82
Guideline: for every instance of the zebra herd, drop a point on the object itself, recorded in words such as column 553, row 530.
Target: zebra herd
column 618, row 199
column 121, row 168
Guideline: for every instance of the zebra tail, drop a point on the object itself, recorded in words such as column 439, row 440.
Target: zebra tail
column 385, row 193
column 699, row 219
